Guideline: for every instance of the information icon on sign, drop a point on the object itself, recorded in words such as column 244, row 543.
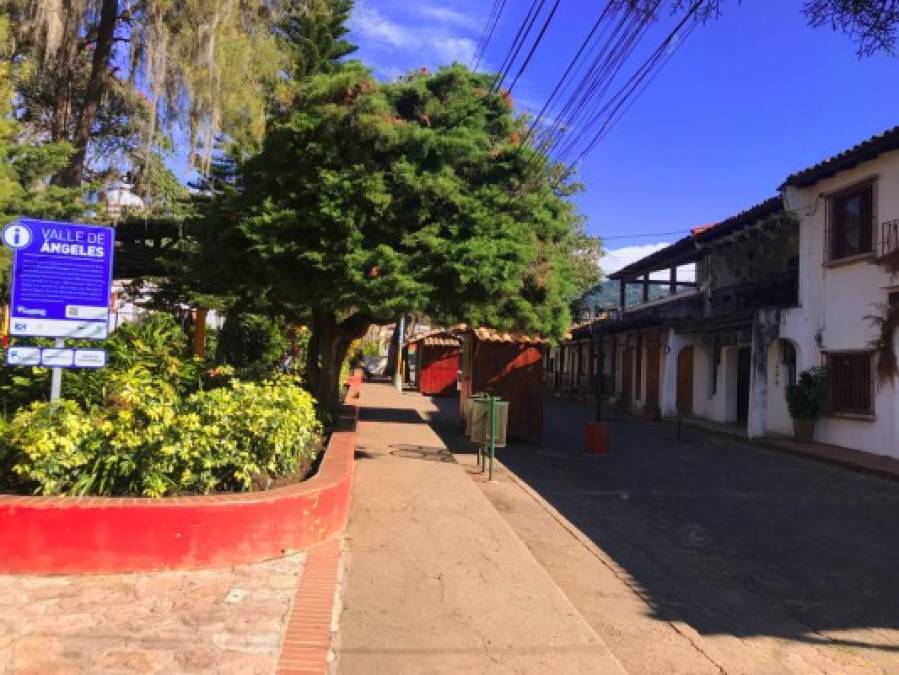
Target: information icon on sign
column 16, row 235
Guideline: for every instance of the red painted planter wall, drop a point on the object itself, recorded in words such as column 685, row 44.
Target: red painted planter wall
column 59, row 535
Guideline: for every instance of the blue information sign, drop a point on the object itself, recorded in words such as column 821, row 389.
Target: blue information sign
column 62, row 279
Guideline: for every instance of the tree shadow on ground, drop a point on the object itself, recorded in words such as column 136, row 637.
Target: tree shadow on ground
column 722, row 535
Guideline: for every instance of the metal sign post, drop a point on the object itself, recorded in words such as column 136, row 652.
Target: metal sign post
column 56, row 375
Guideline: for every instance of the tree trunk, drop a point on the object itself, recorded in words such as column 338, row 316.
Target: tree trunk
column 71, row 175
column 328, row 346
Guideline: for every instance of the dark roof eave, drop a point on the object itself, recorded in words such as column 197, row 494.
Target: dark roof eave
column 762, row 211
column 679, row 253
column 848, row 159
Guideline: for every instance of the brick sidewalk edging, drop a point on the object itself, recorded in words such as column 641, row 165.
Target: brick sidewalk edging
column 72, row 535
column 307, row 639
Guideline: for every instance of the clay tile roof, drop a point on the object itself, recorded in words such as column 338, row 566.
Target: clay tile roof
column 699, row 229
column 493, row 335
column 864, row 151
column 440, row 337
column 448, row 341
column 744, row 219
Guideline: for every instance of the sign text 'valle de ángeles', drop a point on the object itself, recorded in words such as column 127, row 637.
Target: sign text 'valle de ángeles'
column 62, row 279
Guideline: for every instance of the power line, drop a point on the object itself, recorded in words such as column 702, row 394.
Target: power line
column 643, row 235
column 633, row 85
column 489, row 28
column 568, row 70
column 536, row 44
column 524, row 30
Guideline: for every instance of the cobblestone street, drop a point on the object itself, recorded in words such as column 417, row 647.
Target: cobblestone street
column 226, row 621
column 706, row 554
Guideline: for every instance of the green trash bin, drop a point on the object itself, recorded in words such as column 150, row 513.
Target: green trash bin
column 467, row 406
column 477, row 409
column 480, row 422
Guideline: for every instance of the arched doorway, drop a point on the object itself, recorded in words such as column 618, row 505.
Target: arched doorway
column 685, row 381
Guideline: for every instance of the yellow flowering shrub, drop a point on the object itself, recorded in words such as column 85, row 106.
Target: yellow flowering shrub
column 147, row 441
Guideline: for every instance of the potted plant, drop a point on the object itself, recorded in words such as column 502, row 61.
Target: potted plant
column 806, row 400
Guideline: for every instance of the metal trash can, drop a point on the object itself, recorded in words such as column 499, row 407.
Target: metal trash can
column 470, row 403
column 480, row 421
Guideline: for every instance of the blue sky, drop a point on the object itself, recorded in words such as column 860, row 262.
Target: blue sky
column 746, row 100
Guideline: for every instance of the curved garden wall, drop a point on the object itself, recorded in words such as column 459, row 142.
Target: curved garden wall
column 58, row 535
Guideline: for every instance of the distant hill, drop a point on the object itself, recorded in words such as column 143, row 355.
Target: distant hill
column 605, row 295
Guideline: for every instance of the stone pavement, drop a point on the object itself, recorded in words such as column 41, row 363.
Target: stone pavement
column 226, row 621
column 437, row 582
column 707, row 555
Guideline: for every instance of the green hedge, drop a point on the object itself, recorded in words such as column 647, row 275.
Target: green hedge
column 149, row 442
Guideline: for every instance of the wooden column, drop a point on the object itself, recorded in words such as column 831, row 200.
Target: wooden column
column 199, row 344
column 646, row 287
column 672, row 281
column 622, row 289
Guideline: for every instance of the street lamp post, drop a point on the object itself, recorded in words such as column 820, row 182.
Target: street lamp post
column 398, row 371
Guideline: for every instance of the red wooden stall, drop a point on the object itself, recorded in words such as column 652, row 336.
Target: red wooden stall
column 508, row 365
column 437, row 362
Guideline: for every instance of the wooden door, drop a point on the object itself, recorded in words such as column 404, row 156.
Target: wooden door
column 652, row 376
column 685, row 382
column 627, row 378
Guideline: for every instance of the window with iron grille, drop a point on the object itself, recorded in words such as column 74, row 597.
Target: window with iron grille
column 851, row 221
column 850, row 385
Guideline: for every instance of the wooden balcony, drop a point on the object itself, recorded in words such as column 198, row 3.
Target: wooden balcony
column 780, row 290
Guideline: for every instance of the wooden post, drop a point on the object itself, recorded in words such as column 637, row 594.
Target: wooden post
column 672, row 282
column 622, row 290
column 646, row 287
column 199, row 346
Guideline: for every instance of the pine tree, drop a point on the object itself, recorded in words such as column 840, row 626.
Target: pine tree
column 372, row 200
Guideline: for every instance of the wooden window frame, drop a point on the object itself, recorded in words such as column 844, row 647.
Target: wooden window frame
column 839, row 409
column 835, row 228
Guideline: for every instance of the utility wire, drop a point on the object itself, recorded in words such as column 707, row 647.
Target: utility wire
column 536, row 44
column 489, row 29
column 564, row 79
column 633, row 85
column 524, row 29
column 644, row 235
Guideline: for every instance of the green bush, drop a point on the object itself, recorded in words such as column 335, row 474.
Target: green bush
column 806, row 399
column 252, row 343
column 147, row 441
column 156, row 346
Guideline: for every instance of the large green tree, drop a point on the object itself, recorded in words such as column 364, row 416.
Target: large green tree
column 371, row 200
column 115, row 78
column 25, row 167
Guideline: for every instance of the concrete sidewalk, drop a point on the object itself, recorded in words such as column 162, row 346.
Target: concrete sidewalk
column 437, row 581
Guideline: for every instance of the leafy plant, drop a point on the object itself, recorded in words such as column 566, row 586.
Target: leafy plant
column 149, row 442
column 886, row 323
column 252, row 342
column 156, row 346
column 806, row 399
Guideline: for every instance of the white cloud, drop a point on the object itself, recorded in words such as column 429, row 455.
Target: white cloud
column 374, row 26
column 450, row 49
column 616, row 258
column 445, row 15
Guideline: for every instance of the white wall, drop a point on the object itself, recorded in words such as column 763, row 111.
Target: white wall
column 778, row 416
column 835, row 300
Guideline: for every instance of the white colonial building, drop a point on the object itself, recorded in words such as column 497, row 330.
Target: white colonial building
column 790, row 284
column 848, row 211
